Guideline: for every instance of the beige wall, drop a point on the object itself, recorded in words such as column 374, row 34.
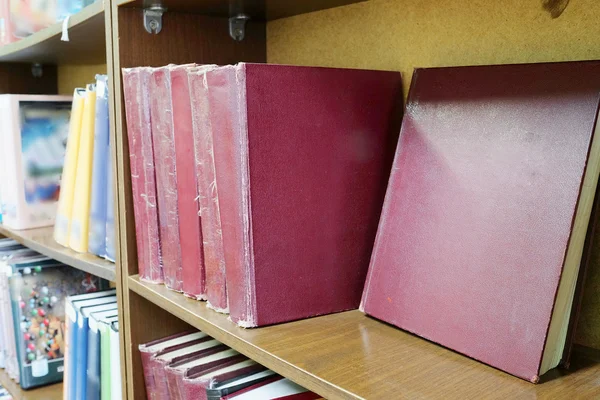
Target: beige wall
column 72, row 76
column 404, row 34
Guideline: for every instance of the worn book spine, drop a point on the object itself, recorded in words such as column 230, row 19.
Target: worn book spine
column 161, row 115
column 143, row 183
column 227, row 98
column 214, row 258
column 190, row 229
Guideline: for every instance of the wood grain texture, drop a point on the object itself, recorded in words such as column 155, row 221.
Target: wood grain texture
column 185, row 38
column 42, row 241
column 86, row 44
column 52, row 392
column 16, row 78
column 260, row 10
column 349, row 355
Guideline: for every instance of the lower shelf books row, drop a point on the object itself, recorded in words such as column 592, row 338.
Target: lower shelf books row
column 92, row 358
column 192, row 365
column 33, row 291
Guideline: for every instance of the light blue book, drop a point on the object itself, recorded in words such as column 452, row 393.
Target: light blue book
column 81, row 359
column 93, row 349
column 71, row 340
column 100, row 167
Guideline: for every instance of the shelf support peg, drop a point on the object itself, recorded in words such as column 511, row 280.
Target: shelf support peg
column 237, row 27
column 153, row 18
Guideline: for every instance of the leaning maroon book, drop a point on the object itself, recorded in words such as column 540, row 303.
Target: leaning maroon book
column 302, row 159
column 480, row 238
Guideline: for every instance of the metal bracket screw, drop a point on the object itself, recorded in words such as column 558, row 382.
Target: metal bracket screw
column 153, row 18
column 237, row 27
column 37, row 70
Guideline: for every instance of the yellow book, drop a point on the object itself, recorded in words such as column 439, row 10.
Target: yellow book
column 62, row 225
column 78, row 238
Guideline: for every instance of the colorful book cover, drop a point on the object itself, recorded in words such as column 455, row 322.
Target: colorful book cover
column 78, row 239
column 62, row 226
column 34, row 135
column 38, row 291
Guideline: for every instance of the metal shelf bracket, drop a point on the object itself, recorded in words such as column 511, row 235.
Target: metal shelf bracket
column 153, row 18
column 237, row 27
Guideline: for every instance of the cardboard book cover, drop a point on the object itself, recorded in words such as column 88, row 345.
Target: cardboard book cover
column 483, row 226
column 302, row 159
column 136, row 91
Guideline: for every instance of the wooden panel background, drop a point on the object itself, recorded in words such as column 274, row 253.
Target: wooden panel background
column 16, row 78
column 72, row 76
column 404, row 34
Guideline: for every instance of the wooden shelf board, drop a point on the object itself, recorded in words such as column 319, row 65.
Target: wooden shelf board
column 258, row 9
column 52, row 392
column 87, row 44
column 350, row 355
column 42, row 241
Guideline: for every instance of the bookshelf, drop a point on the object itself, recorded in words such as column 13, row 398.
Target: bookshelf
column 345, row 355
column 85, row 46
column 52, row 392
column 350, row 355
column 42, row 241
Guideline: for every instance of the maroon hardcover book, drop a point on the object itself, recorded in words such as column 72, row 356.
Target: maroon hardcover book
column 163, row 136
column 149, row 350
column 214, row 258
column 302, row 161
column 197, row 380
column 481, row 205
column 189, row 351
column 176, row 372
column 190, row 229
column 141, row 160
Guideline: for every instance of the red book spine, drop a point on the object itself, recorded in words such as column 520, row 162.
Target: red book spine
column 161, row 112
column 193, row 386
column 137, row 109
column 148, row 375
column 190, row 229
column 214, row 258
column 228, row 117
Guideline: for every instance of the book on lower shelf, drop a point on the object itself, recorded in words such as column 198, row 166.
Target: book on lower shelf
column 91, row 343
column 187, row 369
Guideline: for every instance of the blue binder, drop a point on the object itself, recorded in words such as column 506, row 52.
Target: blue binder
column 83, row 314
column 71, row 312
column 97, row 227
column 93, row 357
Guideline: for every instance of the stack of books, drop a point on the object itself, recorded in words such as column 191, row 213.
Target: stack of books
column 92, row 362
column 33, row 290
column 85, row 215
column 256, row 187
column 192, row 365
